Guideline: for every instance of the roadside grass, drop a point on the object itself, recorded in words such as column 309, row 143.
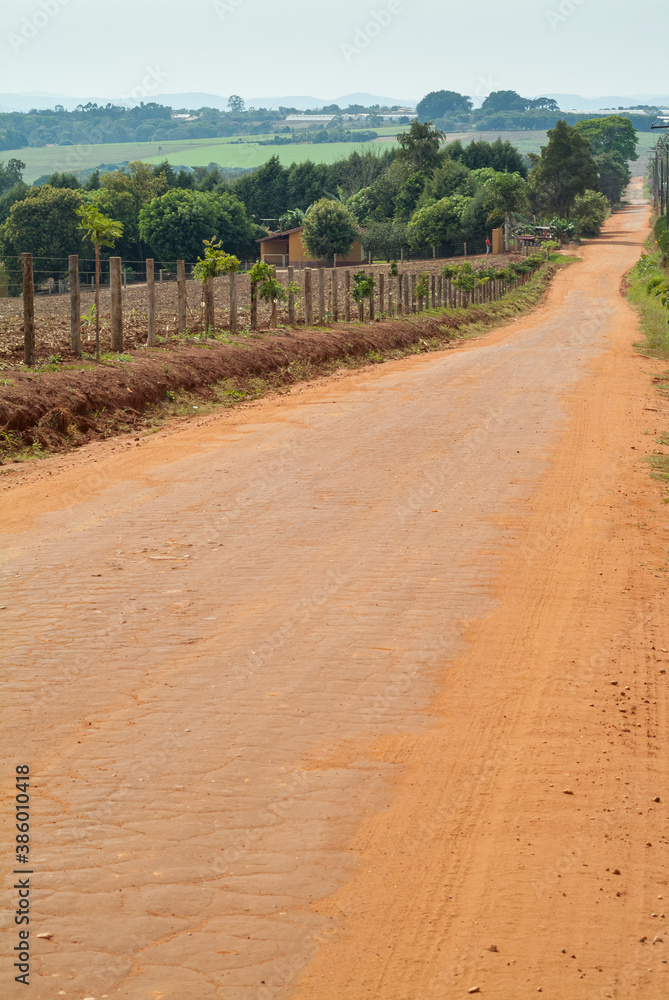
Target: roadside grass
column 654, row 321
column 653, row 316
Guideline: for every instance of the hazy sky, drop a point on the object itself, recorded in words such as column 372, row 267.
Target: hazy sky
column 399, row 48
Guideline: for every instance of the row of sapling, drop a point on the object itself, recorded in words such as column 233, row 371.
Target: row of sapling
column 504, row 193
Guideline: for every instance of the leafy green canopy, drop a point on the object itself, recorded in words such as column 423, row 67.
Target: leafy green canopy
column 420, row 145
column 176, row 224
column 439, row 103
column 329, row 229
column 215, row 261
column 612, row 134
column 44, row 223
column 565, row 169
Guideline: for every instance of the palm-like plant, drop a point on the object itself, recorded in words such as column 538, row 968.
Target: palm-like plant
column 100, row 230
column 506, row 193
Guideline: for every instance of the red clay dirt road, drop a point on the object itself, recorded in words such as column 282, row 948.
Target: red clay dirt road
column 325, row 697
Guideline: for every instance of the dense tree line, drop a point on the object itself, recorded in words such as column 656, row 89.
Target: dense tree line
column 506, row 110
column 423, row 194
column 152, row 122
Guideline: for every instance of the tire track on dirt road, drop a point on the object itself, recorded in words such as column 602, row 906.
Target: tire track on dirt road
column 256, row 659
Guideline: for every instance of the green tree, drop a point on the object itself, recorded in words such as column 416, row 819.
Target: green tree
column 439, row 103
column 329, row 229
column 506, row 193
column 306, row 183
column 11, row 174
column 498, row 154
column 449, row 178
column 614, row 175
column 215, row 261
column 420, row 145
column 9, row 198
column 565, row 169
column 409, row 194
column 265, row 191
column 236, row 104
column 99, row 230
column 591, row 209
column 45, row 224
column 64, row 180
column 121, row 205
column 504, row 100
column 612, row 134
column 437, row 224
column 292, row 219
column 176, row 224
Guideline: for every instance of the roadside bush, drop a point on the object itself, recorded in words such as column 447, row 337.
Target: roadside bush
column 663, row 244
column 591, row 211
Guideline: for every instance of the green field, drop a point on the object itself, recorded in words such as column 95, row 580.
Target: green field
column 231, row 152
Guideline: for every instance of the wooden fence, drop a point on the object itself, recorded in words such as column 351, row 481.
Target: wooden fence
column 325, row 297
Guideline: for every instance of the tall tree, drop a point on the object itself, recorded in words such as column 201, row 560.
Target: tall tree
column 176, row 224
column 504, row 100
column 420, row 145
column 235, row 104
column 565, row 169
column 614, row 175
column 265, row 191
column 506, row 193
column 44, row 223
column 612, row 134
column 439, row 103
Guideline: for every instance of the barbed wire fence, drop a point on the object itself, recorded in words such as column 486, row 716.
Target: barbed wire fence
column 313, row 295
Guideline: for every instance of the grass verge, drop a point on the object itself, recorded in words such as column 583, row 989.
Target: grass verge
column 644, row 279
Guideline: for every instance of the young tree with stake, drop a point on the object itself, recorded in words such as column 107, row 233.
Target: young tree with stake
column 99, row 230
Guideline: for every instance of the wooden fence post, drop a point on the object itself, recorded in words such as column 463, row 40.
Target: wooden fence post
column 75, row 305
column 291, row 297
column 273, row 314
column 390, row 296
column 28, row 309
column 400, row 285
column 181, row 296
column 372, row 309
column 233, row 302
column 321, row 296
column 335, row 294
column 254, row 305
column 440, row 291
column 308, row 310
column 413, row 293
column 151, row 292
column 209, row 309
column 382, row 293
column 116, row 285
column 347, row 296
column 434, row 291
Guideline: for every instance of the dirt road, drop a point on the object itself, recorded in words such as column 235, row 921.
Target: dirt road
column 326, row 697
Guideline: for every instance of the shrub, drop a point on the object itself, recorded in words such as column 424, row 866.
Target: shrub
column 591, row 210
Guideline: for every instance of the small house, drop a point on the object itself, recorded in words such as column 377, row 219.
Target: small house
column 286, row 248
